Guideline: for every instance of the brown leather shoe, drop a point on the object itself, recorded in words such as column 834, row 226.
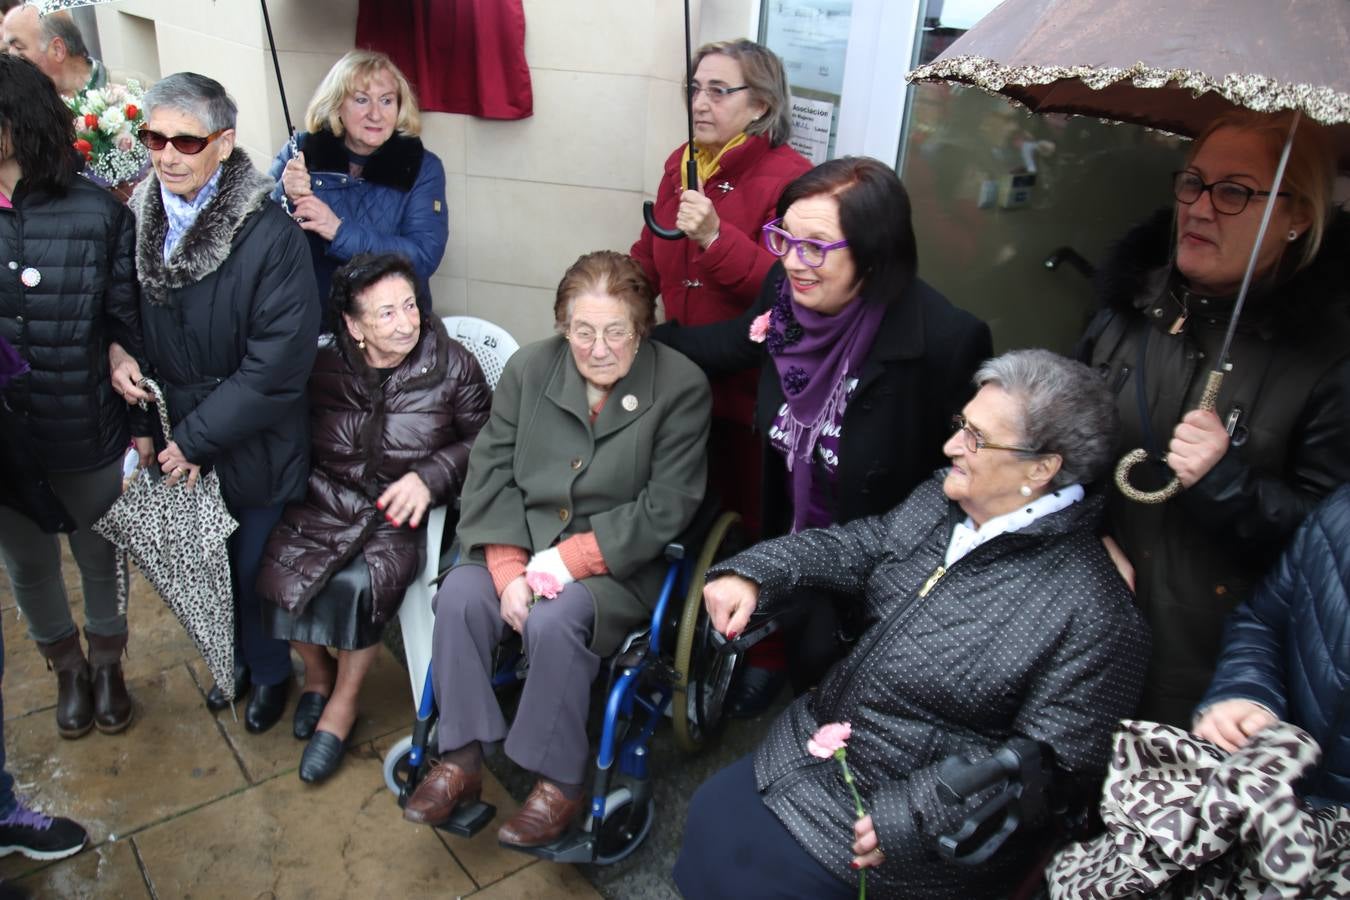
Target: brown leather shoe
column 544, row 817
column 445, row 787
column 74, row 685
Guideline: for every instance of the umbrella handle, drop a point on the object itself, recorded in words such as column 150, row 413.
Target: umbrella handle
column 1208, row 400
column 649, row 208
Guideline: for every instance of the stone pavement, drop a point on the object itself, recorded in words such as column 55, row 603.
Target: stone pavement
column 188, row 804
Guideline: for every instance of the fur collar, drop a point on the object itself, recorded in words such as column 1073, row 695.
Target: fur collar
column 1136, row 266
column 243, row 191
column 395, row 164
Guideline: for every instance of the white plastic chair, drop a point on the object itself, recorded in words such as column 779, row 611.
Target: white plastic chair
column 492, row 346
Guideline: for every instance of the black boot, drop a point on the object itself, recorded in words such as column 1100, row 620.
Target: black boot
column 112, row 706
column 74, row 686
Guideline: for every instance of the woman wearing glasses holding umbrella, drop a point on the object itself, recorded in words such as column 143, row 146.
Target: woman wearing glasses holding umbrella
column 230, row 317
column 861, row 366
column 1279, row 440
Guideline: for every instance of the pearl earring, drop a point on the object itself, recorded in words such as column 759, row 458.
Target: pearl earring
column 1024, row 490
column 361, row 343
column 1293, row 235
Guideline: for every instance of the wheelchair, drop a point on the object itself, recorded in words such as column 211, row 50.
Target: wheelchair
column 676, row 665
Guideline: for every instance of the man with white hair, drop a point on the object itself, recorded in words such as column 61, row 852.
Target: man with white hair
column 54, row 44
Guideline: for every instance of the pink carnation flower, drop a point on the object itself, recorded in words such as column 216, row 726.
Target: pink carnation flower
column 829, row 738
column 543, row 584
column 759, row 329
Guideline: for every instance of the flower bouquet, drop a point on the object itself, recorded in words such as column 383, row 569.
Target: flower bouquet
column 106, row 122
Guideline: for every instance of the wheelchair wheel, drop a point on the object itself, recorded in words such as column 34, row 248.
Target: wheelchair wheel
column 705, row 674
column 399, row 776
column 624, row 827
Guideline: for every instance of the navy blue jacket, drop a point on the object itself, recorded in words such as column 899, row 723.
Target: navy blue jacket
column 1288, row 647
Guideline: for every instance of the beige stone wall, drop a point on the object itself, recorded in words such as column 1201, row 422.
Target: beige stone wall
column 526, row 198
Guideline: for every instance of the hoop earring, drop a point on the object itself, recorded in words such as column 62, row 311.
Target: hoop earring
column 1293, row 235
column 1024, row 490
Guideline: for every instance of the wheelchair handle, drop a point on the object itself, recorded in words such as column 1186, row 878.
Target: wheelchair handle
column 959, row 779
column 746, row 639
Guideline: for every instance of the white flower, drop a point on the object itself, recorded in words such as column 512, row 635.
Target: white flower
column 112, row 120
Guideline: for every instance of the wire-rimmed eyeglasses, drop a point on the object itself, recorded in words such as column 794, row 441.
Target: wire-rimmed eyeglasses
column 1228, row 197
column 715, row 93
column 975, row 442
column 810, row 251
column 615, row 338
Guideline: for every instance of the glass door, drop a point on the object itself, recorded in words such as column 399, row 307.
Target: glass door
column 1006, row 204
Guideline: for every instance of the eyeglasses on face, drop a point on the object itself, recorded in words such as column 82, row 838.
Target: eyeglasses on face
column 715, row 93
column 1228, row 197
column 189, row 144
column 975, row 442
column 810, row 251
column 584, row 336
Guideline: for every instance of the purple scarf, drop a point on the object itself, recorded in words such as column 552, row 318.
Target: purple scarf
column 815, row 354
column 12, row 365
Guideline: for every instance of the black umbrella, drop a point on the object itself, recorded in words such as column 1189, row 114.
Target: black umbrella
column 691, row 166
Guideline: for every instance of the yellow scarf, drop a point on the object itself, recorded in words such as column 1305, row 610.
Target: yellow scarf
column 708, row 165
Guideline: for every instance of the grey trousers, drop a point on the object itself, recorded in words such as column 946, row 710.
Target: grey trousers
column 33, row 559
column 548, row 736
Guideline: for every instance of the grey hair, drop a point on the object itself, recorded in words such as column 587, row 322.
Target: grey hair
column 62, row 25
column 1066, row 409
column 202, row 98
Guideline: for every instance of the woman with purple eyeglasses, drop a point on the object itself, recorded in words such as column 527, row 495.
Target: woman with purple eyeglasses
column 862, row 365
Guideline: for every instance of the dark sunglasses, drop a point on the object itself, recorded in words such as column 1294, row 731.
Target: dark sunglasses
column 183, row 143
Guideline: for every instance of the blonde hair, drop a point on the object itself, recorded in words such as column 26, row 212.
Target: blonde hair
column 350, row 74
column 762, row 70
column 1309, row 176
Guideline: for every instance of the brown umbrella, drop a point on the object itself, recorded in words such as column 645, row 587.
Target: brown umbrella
column 1169, row 65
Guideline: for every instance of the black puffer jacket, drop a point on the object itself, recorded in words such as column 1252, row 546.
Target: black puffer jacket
column 1288, row 647
column 1032, row 633
column 1200, row 554
column 82, row 247
column 368, row 433
column 231, row 327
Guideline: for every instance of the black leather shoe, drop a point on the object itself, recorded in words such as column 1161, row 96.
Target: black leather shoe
column 308, row 709
column 755, row 692
column 215, row 700
column 266, row 706
column 322, row 756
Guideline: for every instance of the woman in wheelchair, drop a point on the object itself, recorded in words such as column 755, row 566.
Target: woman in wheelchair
column 395, row 404
column 592, row 461
column 992, row 611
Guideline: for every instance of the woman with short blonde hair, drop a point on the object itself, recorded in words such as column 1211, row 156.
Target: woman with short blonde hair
column 359, row 179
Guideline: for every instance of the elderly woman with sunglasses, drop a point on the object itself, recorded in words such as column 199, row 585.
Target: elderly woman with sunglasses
column 990, row 611
column 230, row 319
column 593, row 459
column 861, row 366
column 1279, row 439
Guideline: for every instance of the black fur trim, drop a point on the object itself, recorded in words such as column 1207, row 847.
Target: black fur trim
column 396, row 164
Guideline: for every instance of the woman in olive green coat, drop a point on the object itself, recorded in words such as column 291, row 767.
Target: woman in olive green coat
column 592, row 461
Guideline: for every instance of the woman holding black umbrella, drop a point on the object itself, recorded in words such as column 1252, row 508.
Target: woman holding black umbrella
column 1279, row 438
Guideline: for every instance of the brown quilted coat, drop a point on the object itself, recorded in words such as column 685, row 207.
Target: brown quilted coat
column 366, row 435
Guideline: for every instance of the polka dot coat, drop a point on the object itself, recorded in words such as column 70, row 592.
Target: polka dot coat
column 1033, row 633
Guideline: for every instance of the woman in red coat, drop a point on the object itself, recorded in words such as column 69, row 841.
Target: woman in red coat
column 742, row 120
